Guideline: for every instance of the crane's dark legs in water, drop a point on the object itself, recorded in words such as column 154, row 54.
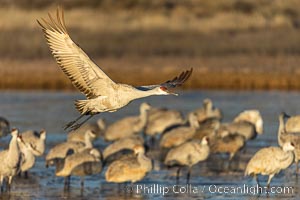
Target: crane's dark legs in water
column 67, row 182
column 177, row 175
column 188, row 175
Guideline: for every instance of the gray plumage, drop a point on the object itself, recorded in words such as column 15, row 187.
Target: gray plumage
column 207, row 128
column 27, row 156
column 284, row 135
column 208, row 111
column 78, row 135
column 188, row 154
column 248, row 123
column 36, row 140
column 61, row 150
column 10, row 159
column 227, row 143
column 293, row 124
column 160, row 119
column 270, row 161
column 127, row 143
column 128, row 125
column 129, row 168
column 84, row 163
column 180, row 134
column 102, row 93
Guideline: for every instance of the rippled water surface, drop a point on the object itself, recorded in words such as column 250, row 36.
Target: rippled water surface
column 210, row 180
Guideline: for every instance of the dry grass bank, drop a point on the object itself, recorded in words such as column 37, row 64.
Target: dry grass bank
column 209, row 72
column 232, row 44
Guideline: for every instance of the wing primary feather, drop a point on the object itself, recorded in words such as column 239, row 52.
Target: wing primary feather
column 74, row 62
column 179, row 80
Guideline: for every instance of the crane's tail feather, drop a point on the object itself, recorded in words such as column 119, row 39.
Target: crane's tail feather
column 82, row 106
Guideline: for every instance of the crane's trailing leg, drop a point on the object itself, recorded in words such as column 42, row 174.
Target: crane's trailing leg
column 76, row 126
column 68, row 125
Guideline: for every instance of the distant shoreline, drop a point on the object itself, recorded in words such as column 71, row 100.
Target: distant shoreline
column 233, row 45
column 237, row 72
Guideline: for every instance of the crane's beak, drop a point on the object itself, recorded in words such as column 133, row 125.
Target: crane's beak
column 20, row 139
column 172, row 93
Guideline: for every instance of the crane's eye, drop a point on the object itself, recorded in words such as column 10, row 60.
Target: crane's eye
column 292, row 144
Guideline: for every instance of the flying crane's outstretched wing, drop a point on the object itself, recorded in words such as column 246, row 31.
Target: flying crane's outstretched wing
column 85, row 75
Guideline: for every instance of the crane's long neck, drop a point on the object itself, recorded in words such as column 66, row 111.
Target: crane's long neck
column 101, row 124
column 287, row 160
column 13, row 151
column 208, row 107
column 29, row 157
column 136, row 94
column 143, row 118
column 88, row 141
column 280, row 130
column 144, row 161
column 40, row 146
column 193, row 121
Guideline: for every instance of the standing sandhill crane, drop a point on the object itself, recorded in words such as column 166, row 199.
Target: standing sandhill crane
column 4, row 127
column 78, row 134
column 27, row 157
column 208, row 111
column 61, row 150
column 285, row 136
column 127, row 143
column 131, row 169
column 128, row 125
column 84, row 163
column 159, row 119
column 244, row 122
column 270, row 161
column 36, row 140
column 181, row 134
column 188, row 154
column 293, row 124
column 10, row 159
column 227, row 143
column 207, row 128
column 247, row 124
column 102, row 93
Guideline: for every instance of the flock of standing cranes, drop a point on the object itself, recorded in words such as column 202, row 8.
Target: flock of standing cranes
column 181, row 141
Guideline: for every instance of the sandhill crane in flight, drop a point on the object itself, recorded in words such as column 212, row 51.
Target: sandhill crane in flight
column 102, row 93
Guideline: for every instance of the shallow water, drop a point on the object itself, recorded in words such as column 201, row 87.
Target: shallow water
column 210, row 180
